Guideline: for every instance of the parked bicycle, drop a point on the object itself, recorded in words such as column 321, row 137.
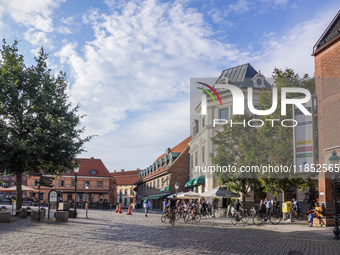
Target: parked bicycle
column 260, row 218
column 239, row 216
column 299, row 215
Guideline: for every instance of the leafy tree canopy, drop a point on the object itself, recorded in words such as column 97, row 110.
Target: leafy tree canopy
column 38, row 126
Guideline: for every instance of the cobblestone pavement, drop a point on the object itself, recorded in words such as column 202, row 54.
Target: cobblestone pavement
column 106, row 232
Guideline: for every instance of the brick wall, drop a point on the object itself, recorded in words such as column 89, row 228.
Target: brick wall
column 327, row 78
column 180, row 172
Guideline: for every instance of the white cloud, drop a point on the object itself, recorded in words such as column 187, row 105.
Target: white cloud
column 294, row 48
column 272, row 3
column 144, row 139
column 139, row 59
column 37, row 38
column 69, row 25
column 33, row 14
column 240, row 6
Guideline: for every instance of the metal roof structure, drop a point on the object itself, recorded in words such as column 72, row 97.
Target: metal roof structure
column 331, row 34
column 240, row 76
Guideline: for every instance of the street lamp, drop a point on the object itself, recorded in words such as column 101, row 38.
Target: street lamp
column 334, row 165
column 76, row 170
column 86, row 204
column 176, row 188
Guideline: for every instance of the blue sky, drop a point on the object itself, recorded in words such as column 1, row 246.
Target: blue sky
column 129, row 63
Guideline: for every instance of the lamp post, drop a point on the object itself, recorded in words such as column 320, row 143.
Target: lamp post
column 86, row 204
column 334, row 164
column 176, row 188
column 76, row 170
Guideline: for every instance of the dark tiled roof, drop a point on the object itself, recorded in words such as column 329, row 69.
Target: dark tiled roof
column 240, row 76
column 126, row 177
column 239, row 73
column 331, row 33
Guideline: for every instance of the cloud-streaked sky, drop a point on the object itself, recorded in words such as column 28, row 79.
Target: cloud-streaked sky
column 129, row 63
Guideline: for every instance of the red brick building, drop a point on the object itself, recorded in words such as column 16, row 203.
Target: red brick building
column 327, row 77
column 92, row 173
column 159, row 179
column 8, row 181
column 125, row 181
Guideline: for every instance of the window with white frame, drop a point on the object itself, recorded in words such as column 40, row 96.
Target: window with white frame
column 224, row 114
column 203, row 154
column 196, row 158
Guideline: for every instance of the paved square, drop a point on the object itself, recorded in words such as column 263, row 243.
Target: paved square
column 106, row 232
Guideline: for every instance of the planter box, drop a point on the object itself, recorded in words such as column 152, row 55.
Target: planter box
column 5, row 217
column 61, row 216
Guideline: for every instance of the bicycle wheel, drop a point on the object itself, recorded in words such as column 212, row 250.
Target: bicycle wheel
column 197, row 218
column 187, row 217
column 234, row 219
column 164, row 217
column 302, row 217
column 275, row 218
column 258, row 219
column 245, row 218
column 178, row 215
column 173, row 219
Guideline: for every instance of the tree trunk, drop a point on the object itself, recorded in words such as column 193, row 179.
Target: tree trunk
column 19, row 191
column 284, row 199
column 244, row 200
column 284, row 195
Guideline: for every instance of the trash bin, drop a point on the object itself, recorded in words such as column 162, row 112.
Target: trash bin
column 286, row 207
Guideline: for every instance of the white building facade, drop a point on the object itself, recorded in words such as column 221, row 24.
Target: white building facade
column 203, row 128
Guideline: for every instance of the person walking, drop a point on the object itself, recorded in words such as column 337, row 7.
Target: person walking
column 276, row 206
column 146, row 206
column 269, row 206
column 204, row 209
column 209, row 207
column 165, row 205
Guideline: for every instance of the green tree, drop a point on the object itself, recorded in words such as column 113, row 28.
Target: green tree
column 236, row 146
column 271, row 144
column 38, row 126
column 276, row 140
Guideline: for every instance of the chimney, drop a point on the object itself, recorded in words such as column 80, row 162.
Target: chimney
column 122, row 170
column 92, row 157
column 114, row 171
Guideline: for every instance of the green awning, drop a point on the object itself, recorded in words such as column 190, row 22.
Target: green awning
column 167, row 188
column 189, row 183
column 199, row 180
column 157, row 196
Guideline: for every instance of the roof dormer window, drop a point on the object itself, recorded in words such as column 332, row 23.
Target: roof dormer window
column 258, row 80
column 93, row 172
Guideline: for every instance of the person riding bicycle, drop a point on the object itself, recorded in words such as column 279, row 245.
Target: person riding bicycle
column 295, row 207
column 238, row 206
column 172, row 206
